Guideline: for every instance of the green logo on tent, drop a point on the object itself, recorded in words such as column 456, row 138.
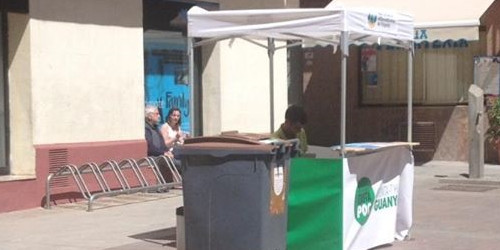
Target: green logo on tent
column 364, row 200
column 372, row 20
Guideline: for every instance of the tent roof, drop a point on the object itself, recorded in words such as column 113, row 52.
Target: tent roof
column 364, row 25
column 333, row 24
column 449, row 19
column 430, row 11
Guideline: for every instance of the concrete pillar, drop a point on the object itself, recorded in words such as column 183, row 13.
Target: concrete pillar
column 476, row 133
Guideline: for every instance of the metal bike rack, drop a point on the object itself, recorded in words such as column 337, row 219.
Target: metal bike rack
column 171, row 165
column 104, row 189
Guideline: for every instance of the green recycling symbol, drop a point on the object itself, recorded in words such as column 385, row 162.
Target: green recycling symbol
column 364, row 200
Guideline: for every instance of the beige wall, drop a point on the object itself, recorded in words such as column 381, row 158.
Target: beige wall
column 22, row 153
column 211, row 90
column 245, row 87
column 236, row 94
column 87, row 70
column 75, row 75
column 235, row 80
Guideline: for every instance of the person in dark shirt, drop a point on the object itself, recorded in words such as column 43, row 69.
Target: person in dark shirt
column 155, row 141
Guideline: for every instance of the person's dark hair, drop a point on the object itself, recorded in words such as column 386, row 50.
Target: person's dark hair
column 296, row 113
column 172, row 111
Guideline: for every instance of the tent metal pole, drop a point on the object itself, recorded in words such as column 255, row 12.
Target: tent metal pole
column 410, row 95
column 343, row 90
column 190, row 51
column 270, row 53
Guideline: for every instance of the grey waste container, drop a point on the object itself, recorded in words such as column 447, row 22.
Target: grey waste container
column 235, row 193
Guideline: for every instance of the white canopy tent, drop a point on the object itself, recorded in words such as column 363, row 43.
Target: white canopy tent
column 461, row 23
column 335, row 25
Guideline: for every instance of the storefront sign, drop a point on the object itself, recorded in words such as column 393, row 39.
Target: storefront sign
column 439, row 38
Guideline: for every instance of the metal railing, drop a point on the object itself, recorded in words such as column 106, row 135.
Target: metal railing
column 103, row 187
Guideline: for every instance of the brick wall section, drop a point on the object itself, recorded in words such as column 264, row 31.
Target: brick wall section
column 24, row 194
column 371, row 123
column 491, row 20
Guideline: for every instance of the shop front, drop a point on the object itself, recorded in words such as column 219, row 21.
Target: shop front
column 445, row 48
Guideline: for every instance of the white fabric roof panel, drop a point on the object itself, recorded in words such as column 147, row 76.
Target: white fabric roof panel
column 429, row 11
column 364, row 25
column 274, row 23
column 442, row 20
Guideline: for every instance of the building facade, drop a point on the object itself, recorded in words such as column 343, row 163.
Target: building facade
column 73, row 90
column 77, row 74
column 445, row 48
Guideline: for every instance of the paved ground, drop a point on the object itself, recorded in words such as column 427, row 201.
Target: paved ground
column 453, row 212
column 450, row 212
column 138, row 221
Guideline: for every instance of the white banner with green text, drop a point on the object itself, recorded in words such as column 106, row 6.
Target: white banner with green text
column 366, row 197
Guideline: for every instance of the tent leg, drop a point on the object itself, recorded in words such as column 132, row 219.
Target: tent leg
column 190, row 44
column 344, row 44
column 410, row 95
column 270, row 53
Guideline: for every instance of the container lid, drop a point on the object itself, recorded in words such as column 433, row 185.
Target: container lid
column 220, row 146
column 221, row 139
column 249, row 136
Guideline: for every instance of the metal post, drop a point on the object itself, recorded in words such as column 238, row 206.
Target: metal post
column 47, row 191
column 270, row 53
column 190, row 51
column 410, row 95
column 344, row 44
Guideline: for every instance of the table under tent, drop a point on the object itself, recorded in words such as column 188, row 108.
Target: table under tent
column 360, row 200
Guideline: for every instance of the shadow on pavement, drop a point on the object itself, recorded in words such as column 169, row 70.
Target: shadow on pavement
column 163, row 237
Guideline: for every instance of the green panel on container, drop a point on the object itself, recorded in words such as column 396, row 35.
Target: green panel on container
column 315, row 204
